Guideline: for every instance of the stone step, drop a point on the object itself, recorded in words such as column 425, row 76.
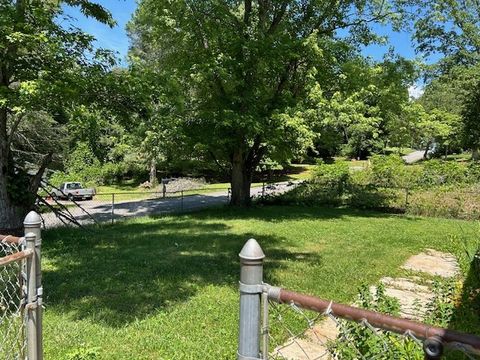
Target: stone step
column 413, row 294
column 434, row 263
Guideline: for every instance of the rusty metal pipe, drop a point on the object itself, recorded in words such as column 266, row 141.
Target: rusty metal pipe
column 381, row 321
column 9, row 239
column 18, row 256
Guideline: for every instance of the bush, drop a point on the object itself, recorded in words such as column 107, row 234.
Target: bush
column 81, row 165
column 308, row 194
column 473, row 173
column 332, row 176
column 373, row 197
column 81, row 159
column 379, row 344
column 446, row 201
column 387, row 171
column 439, row 172
column 112, row 173
column 374, row 344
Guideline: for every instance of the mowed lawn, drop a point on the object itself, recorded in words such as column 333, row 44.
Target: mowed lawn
column 166, row 288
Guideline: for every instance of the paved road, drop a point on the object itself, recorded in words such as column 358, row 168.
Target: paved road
column 413, row 157
column 101, row 211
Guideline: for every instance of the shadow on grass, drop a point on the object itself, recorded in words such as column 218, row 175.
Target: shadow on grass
column 466, row 317
column 276, row 213
column 129, row 271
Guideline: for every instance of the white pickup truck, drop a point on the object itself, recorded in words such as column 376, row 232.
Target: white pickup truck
column 73, row 191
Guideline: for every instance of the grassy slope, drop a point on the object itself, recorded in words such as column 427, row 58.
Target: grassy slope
column 167, row 288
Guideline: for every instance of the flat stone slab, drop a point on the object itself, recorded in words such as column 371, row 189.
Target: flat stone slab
column 434, row 263
column 410, row 284
column 413, row 294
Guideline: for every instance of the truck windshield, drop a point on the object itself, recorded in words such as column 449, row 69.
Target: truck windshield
column 74, row 186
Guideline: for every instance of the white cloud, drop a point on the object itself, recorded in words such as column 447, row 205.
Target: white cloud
column 415, row 91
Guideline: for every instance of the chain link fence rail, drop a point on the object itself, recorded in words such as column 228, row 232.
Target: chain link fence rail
column 21, row 293
column 279, row 324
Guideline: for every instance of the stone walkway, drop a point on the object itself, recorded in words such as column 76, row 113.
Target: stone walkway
column 413, row 294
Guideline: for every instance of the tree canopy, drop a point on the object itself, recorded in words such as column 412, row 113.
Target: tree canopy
column 242, row 88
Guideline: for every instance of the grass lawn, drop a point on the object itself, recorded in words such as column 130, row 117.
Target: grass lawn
column 166, row 288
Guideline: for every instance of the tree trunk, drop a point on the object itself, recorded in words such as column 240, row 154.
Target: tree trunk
column 241, row 180
column 153, row 173
column 11, row 216
column 11, row 213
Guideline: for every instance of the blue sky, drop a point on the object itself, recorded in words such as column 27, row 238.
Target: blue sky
column 122, row 10
column 109, row 38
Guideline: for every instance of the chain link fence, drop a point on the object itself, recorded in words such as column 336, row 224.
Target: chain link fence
column 12, row 300
column 279, row 324
column 112, row 207
column 21, row 293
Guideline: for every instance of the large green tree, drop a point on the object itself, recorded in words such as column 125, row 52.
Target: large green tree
column 43, row 65
column 243, row 68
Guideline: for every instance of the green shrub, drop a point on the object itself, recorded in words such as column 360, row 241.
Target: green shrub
column 436, row 188
column 446, row 201
column 379, row 344
column 473, row 172
column 81, row 165
column 387, row 171
column 373, row 197
column 88, row 177
column 112, row 173
column 439, row 172
column 332, row 176
column 307, row 194
column 81, row 159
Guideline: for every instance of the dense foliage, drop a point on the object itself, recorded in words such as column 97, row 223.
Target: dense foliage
column 435, row 188
column 257, row 88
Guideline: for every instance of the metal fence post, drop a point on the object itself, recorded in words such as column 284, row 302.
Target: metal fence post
column 182, row 202
column 113, row 208
column 407, row 191
column 251, row 288
column 33, row 224
column 31, row 318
